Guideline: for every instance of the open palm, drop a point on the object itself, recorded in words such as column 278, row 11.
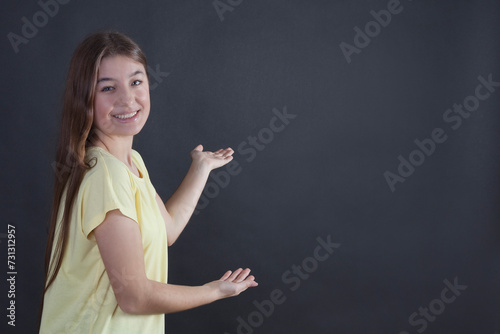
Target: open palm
column 212, row 160
column 233, row 283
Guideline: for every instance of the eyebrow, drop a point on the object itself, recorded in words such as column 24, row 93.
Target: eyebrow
column 111, row 79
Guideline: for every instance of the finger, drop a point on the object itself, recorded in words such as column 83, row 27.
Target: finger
column 253, row 284
column 223, row 152
column 235, row 274
column 226, row 275
column 250, row 280
column 248, row 283
column 242, row 276
column 198, row 148
column 219, row 155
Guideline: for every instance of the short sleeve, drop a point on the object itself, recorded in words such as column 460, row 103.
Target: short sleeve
column 106, row 186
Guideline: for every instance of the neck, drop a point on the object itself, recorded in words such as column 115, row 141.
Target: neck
column 120, row 147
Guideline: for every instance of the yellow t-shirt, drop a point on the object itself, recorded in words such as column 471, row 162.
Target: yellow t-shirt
column 81, row 299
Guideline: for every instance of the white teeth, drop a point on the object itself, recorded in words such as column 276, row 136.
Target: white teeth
column 132, row 114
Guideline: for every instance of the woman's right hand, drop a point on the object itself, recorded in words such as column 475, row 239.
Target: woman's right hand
column 233, row 283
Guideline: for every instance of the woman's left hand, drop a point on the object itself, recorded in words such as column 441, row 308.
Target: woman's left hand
column 211, row 160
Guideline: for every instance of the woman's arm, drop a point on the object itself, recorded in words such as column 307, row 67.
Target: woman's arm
column 119, row 241
column 181, row 205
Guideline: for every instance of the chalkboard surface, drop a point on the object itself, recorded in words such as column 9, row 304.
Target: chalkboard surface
column 364, row 193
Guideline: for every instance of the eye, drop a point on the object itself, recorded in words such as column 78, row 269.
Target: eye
column 107, row 89
column 136, row 82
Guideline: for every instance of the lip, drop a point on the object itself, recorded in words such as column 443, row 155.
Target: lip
column 128, row 120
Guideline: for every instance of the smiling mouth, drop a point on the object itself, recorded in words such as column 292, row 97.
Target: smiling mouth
column 126, row 116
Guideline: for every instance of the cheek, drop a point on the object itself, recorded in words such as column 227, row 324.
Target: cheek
column 144, row 98
column 101, row 110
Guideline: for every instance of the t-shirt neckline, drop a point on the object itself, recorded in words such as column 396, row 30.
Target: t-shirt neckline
column 134, row 161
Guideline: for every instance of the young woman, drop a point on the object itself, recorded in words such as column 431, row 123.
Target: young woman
column 106, row 257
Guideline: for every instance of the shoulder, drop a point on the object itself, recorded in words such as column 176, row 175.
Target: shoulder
column 104, row 166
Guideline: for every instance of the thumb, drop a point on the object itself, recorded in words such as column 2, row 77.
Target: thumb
column 198, row 148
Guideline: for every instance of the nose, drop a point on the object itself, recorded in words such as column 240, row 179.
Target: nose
column 126, row 96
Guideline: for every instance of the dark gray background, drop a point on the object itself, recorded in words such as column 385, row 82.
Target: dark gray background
column 322, row 175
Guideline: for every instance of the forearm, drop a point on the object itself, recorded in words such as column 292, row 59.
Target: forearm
column 152, row 297
column 168, row 298
column 182, row 203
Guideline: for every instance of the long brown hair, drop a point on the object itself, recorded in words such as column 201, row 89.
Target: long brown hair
column 76, row 135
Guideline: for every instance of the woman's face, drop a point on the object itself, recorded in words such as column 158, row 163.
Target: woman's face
column 121, row 105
